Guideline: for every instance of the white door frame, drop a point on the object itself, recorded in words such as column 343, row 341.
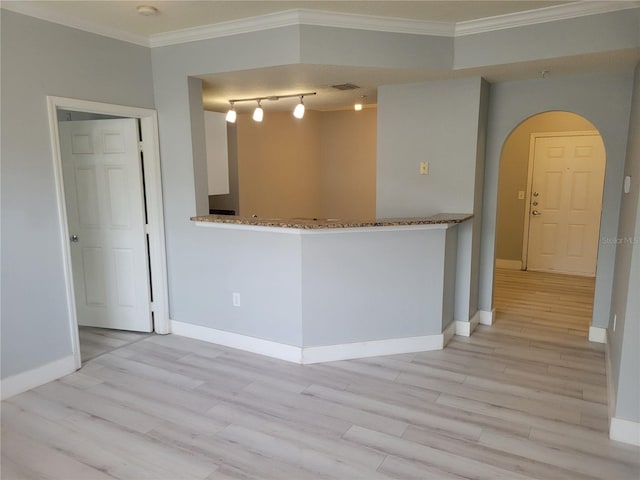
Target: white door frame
column 527, row 206
column 153, row 186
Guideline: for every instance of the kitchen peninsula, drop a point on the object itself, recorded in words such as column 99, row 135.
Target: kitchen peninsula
column 310, row 291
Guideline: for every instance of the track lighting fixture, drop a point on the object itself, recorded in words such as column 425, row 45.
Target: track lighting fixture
column 258, row 113
column 231, row 114
column 298, row 112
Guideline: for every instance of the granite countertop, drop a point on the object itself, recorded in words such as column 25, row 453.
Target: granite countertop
column 310, row 223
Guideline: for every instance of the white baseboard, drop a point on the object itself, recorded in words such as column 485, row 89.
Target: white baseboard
column 598, row 334
column 448, row 334
column 508, row 264
column 625, row 431
column 486, row 317
column 281, row 351
column 24, row 381
column 308, row 355
column 465, row 329
column 611, row 388
column 392, row 346
column 620, row 430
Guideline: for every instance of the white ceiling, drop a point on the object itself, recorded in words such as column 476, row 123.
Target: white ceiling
column 119, row 19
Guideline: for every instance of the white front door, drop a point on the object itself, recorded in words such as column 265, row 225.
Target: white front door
column 106, row 216
column 566, row 203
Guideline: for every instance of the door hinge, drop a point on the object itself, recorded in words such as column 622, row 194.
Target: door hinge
column 152, row 307
column 147, row 229
column 140, row 146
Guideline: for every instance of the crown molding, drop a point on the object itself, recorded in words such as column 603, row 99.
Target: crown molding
column 541, row 15
column 33, row 10
column 330, row 19
column 303, row 17
column 224, row 29
column 378, row 24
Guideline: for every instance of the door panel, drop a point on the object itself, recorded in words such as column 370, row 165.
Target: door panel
column 123, row 261
column 94, row 276
column 566, row 202
column 575, row 241
column 580, row 191
column 552, row 193
column 117, row 197
column 103, row 193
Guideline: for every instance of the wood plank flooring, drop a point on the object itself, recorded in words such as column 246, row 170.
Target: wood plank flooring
column 523, row 399
column 549, row 299
column 97, row 341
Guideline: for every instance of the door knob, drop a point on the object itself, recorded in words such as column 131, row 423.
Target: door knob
column 74, row 238
column 535, row 204
column 535, row 194
column 536, row 212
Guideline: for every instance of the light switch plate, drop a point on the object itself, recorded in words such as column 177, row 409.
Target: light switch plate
column 520, row 194
column 424, row 168
column 627, row 183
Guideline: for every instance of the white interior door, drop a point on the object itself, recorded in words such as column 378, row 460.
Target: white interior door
column 566, row 203
column 105, row 212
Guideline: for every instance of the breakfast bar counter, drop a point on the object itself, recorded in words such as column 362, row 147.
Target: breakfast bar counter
column 315, row 223
column 315, row 290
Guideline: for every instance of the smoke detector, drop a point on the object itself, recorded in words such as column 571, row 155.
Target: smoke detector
column 147, row 10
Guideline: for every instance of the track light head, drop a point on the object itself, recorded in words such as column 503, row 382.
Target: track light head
column 231, row 114
column 258, row 113
column 298, row 112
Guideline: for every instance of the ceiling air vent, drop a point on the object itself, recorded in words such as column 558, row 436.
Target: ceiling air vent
column 345, row 86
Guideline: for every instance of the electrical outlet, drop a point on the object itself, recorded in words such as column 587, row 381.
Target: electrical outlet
column 520, row 194
column 236, row 299
column 424, row 168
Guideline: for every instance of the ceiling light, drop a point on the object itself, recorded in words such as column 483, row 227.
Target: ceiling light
column 298, row 112
column 258, row 113
column 147, row 10
column 358, row 105
column 231, row 114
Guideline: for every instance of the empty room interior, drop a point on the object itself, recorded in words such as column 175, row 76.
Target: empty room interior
column 319, row 239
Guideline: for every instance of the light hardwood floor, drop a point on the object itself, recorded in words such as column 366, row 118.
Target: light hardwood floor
column 525, row 398
column 555, row 301
column 98, row 341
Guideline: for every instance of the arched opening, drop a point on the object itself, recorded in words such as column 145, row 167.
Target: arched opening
column 550, row 189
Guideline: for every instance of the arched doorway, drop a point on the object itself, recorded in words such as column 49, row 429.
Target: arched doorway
column 548, row 219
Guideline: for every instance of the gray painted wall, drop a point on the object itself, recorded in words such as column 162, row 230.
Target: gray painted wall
column 39, row 59
column 604, row 99
column 263, row 267
column 625, row 304
column 343, row 46
column 436, row 122
column 359, row 286
column 562, row 38
column 444, row 123
column 321, row 288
